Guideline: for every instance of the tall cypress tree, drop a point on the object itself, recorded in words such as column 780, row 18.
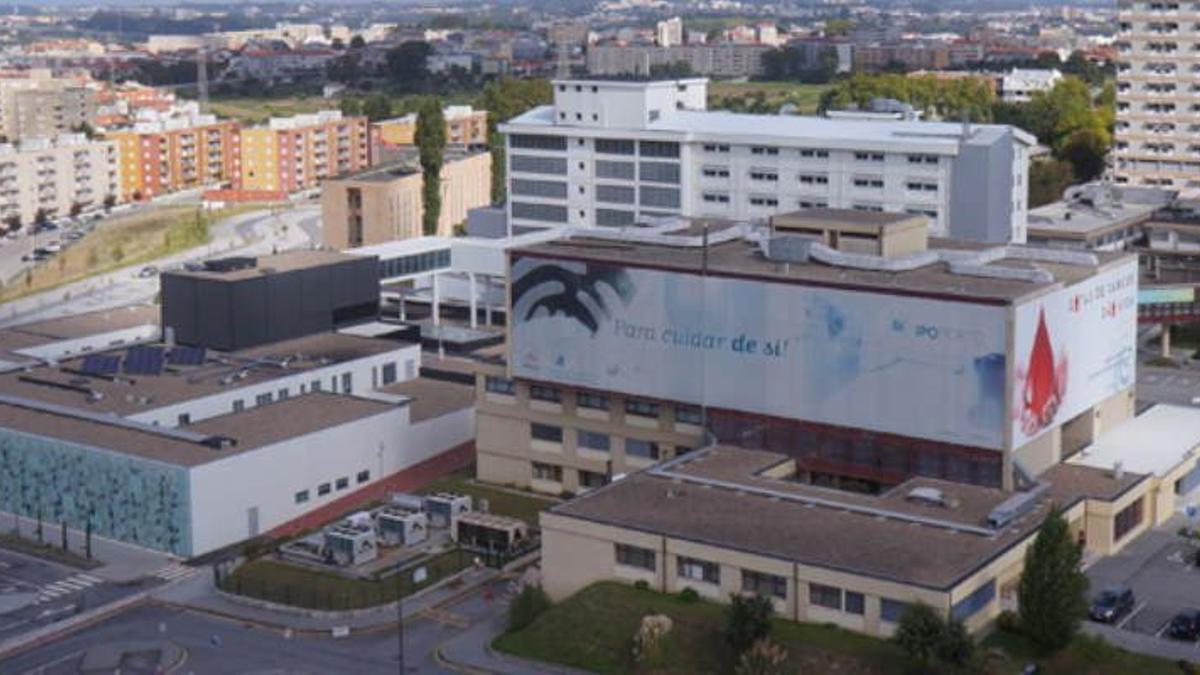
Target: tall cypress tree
column 431, row 140
column 1052, row 592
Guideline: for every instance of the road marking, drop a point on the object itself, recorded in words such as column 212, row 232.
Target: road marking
column 1132, row 614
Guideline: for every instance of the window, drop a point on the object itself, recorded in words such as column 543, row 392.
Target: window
column 283, row 394
column 868, row 182
column 388, row 373
column 300, row 497
column 546, row 213
column 891, row 610
column 556, row 166
column 814, row 179
column 537, row 142
column 546, row 432
column 264, row 399
column 716, row 198
column 239, row 405
column 323, row 489
column 761, row 175
column 634, row 406
column 922, row 159
column 315, row 386
column 764, row 201
column 639, row 448
column 715, row 172
column 810, row 152
column 592, row 479
column 586, row 399
column 760, row 583
column 658, row 196
column 347, row 382
column 825, row 596
column 498, row 385
column 868, row 207
column 658, row 148
column 543, row 471
column 635, row 556
column 606, row 168
column 869, row 156
column 697, row 570
column 968, row 606
column 184, row 419
column 688, row 414
column 716, row 147
column 763, row 150
column 854, row 602
column 342, row 483
column 659, row 172
column 616, row 194
column 363, row 476
column 591, row 440
column 539, row 392
column 920, row 186
column 1127, row 519
column 551, row 189
column 814, row 204
column 615, row 217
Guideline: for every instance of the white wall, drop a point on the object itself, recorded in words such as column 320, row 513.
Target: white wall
column 364, row 378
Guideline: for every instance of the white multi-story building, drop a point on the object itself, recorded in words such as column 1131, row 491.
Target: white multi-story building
column 669, row 32
column 1020, row 84
column 1158, row 80
column 54, row 176
column 614, row 153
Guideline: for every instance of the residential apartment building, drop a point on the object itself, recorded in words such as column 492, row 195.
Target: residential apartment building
column 55, row 176
column 614, row 153
column 385, row 203
column 291, row 154
column 1158, row 115
column 41, row 105
column 716, row 60
column 179, row 150
column 669, row 32
column 464, row 126
column 1020, row 84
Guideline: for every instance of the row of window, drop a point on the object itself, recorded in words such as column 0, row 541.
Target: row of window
column 414, row 264
column 685, row 414
column 551, row 472
column 325, row 488
column 590, row 440
column 819, row 153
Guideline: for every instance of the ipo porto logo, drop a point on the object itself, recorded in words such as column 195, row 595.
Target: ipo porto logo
column 576, row 295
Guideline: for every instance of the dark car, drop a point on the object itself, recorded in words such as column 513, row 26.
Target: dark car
column 1185, row 626
column 1111, row 605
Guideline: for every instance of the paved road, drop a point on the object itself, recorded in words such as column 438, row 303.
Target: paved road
column 1168, row 385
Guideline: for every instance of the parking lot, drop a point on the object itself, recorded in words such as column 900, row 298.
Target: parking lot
column 1160, row 568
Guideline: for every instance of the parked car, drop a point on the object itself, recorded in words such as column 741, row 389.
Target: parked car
column 52, row 247
column 148, row 271
column 1185, row 626
column 73, row 235
column 1112, row 604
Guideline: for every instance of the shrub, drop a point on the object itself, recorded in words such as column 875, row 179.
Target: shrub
column 642, row 585
column 1009, row 622
column 747, row 620
column 527, row 606
column 919, row 633
column 955, row 648
column 648, row 642
column 689, row 595
column 763, row 658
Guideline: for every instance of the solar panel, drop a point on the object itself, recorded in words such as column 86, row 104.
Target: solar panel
column 144, row 361
column 100, row 364
column 186, row 356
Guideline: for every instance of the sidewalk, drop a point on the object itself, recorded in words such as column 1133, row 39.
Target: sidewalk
column 472, row 650
column 121, row 562
column 200, row 593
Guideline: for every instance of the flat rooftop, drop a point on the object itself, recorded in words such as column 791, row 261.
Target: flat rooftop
column 49, row 331
column 126, row 395
column 432, row 398
column 1154, row 442
column 287, row 261
column 405, row 161
column 254, row 428
column 738, row 258
column 725, row 496
column 1072, row 220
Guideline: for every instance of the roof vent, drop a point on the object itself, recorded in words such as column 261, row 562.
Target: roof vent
column 928, row 496
column 219, row 442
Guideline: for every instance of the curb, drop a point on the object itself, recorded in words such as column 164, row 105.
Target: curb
column 47, row 634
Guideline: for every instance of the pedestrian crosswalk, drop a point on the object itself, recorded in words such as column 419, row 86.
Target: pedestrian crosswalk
column 62, row 587
column 174, row 572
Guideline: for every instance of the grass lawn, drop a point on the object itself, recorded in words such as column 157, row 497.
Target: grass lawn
column 288, row 584
column 805, row 96
column 505, row 502
column 593, row 630
column 118, row 242
column 256, row 109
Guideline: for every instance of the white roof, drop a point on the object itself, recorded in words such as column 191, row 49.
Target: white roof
column 1154, row 442
column 840, row 132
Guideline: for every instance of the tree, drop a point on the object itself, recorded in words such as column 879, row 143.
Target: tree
column 377, row 107
column 955, row 647
column 504, row 99
column 76, row 209
column 747, row 620
column 920, row 631
column 1051, row 594
column 350, row 106
column 337, row 43
column 406, row 65
column 12, row 222
column 357, row 42
column 1086, row 149
column 1048, row 180
column 41, row 217
column 431, row 141
column 110, row 200
column 526, row 606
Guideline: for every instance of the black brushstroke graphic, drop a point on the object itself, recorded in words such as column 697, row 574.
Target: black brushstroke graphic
column 568, row 300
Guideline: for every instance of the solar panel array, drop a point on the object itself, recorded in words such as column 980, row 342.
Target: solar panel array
column 101, row 364
column 144, row 360
column 186, row 356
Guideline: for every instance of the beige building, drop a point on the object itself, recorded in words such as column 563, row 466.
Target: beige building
column 41, row 106
column 55, row 176
column 385, row 203
column 292, row 154
column 464, row 126
column 1157, row 81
